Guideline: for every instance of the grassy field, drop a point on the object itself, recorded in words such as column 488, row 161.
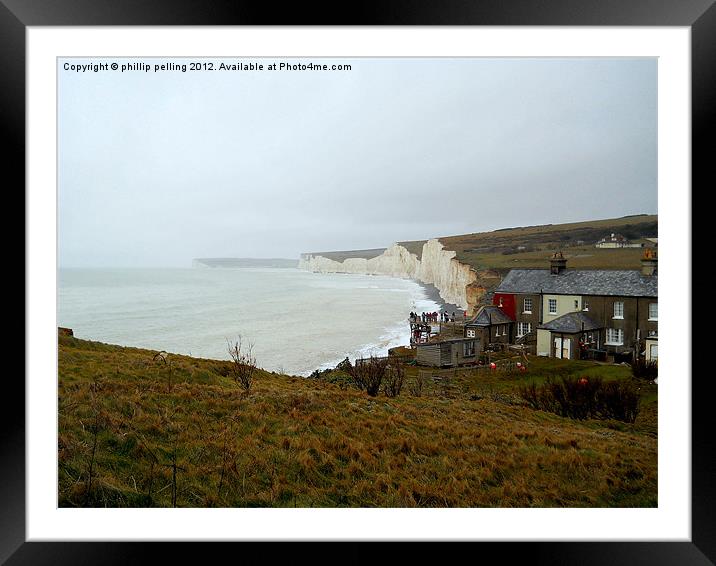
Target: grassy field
column 578, row 257
column 500, row 249
column 137, row 432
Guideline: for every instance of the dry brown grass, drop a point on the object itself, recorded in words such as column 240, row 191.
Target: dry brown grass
column 308, row 442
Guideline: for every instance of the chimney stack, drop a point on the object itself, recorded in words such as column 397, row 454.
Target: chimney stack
column 557, row 263
column 648, row 262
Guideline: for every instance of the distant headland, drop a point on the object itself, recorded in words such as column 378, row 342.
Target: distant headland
column 243, row 262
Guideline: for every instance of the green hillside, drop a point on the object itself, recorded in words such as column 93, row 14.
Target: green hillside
column 530, row 246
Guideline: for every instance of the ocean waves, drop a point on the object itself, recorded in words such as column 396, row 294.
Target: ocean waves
column 298, row 321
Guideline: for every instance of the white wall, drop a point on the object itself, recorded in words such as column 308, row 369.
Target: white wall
column 565, row 304
column 544, row 345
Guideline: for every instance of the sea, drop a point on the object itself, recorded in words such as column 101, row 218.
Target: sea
column 297, row 321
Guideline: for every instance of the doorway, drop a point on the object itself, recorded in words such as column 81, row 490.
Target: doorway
column 562, row 348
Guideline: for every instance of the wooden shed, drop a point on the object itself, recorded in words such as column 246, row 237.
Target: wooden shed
column 449, row 353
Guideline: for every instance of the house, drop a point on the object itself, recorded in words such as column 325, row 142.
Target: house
column 577, row 313
column 617, row 241
column 491, row 325
column 449, row 353
column 569, row 335
column 612, row 241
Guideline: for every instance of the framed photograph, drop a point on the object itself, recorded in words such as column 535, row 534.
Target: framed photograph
column 391, row 277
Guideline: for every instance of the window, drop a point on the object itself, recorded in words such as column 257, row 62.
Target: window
column 468, row 349
column 523, row 328
column 552, row 306
column 470, row 332
column 527, row 306
column 500, row 302
column 653, row 311
column 615, row 336
column 576, row 305
column 654, row 351
column 585, row 306
column 618, row 309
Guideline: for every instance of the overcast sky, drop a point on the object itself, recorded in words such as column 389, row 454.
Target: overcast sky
column 158, row 168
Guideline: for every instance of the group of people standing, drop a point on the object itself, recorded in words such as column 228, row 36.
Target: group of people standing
column 426, row 317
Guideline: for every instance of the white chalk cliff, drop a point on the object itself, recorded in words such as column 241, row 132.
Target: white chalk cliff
column 437, row 266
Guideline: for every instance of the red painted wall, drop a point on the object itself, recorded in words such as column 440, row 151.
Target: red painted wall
column 508, row 303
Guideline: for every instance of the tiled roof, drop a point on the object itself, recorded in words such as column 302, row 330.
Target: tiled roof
column 489, row 314
column 571, row 323
column 623, row 283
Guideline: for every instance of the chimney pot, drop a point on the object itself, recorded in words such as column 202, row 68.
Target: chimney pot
column 649, row 262
column 557, row 263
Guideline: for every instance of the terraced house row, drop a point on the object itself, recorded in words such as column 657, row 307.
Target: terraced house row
column 600, row 314
column 611, row 315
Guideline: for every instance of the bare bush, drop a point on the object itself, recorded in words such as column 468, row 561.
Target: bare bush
column 243, row 366
column 163, row 358
column 368, row 374
column 394, row 377
column 416, row 386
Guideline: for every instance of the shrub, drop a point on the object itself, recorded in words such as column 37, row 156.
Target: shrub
column 368, row 374
column 243, row 364
column 416, row 386
column 394, row 377
column 339, row 375
column 582, row 398
column 530, row 395
column 643, row 369
column 575, row 398
column 619, row 401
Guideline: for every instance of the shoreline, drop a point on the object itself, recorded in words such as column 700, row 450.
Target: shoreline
column 391, row 332
column 398, row 334
column 432, row 294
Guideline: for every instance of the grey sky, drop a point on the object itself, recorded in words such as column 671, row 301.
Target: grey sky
column 158, row 168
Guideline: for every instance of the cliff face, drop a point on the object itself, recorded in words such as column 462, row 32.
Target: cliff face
column 437, row 266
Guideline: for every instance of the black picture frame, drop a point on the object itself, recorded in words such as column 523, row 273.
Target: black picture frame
column 16, row 15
